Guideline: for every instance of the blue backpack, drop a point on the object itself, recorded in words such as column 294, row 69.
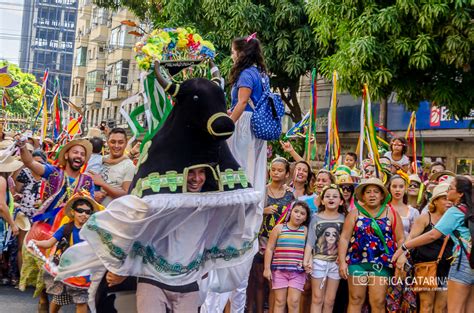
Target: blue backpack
column 266, row 118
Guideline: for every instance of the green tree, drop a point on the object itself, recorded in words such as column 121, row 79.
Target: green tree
column 24, row 97
column 281, row 25
column 418, row 49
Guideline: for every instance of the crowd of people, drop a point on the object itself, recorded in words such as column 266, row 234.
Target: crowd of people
column 354, row 239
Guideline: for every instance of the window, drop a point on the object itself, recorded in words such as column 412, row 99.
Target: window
column 121, row 72
column 464, row 166
column 93, row 79
column 81, row 56
column 120, row 38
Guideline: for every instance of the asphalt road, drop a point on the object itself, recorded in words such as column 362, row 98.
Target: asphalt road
column 14, row 301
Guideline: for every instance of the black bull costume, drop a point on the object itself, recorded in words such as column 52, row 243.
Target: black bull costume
column 162, row 232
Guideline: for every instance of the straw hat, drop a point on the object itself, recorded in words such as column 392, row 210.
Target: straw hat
column 10, row 164
column 367, row 182
column 5, row 144
column 438, row 175
column 22, row 221
column 439, row 191
column 93, row 132
column 77, row 142
column 35, row 141
column 84, row 195
column 414, row 178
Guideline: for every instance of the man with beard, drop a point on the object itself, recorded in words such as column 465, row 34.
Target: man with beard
column 117, row 170
column 62, row 181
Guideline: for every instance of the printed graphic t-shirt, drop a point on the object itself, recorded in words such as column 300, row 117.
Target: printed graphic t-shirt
column 323, row 236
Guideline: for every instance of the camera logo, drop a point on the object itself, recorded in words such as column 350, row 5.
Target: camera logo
column 363, row 278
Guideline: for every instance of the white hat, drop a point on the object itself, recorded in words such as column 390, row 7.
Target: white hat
column 10, row 164
column 439, row 191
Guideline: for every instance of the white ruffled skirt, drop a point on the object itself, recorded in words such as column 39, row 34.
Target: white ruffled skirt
column 173, row 238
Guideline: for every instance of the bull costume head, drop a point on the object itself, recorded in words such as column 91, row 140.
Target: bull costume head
column 193, row 134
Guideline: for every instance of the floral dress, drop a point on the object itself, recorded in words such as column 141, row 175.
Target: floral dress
column 366, row 247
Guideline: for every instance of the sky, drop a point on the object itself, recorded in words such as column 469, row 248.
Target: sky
column 11, row 12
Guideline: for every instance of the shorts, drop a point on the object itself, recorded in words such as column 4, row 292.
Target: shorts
column 288, row 279
column 465, row 275
column 64, row 293
column 323, row 269
column 370, row 269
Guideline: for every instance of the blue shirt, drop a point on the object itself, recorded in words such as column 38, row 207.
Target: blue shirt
column 453, row 219
column 310, row 202
column 249, row 78
column 58, row 235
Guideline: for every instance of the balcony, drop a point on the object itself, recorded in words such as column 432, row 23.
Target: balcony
column 99, row 32
column 77, row 101
column 95, row 64
column 94, row 97
column 120, row 53
column 79, row 72
column 84, row 10
column 117, row 92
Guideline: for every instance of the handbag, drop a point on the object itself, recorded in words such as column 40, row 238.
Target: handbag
column 267, row 113
column 425, row 272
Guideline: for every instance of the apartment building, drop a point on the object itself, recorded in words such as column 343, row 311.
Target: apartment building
column 48, row 29
column 104, row 72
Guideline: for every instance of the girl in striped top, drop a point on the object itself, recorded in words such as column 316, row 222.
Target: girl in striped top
column 283, row 264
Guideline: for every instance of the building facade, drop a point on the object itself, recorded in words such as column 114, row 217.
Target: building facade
column 104, row 72
column 443, row 137
column 48, row 30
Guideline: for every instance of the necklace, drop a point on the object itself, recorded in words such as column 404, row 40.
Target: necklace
column 278, row 192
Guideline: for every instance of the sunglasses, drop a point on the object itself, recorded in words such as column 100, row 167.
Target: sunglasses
column 79, row 210
column 347, row 188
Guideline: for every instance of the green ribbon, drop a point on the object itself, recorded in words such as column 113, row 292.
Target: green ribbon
column 373, row 222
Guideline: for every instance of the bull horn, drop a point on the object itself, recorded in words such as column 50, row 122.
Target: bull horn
column 216, row 74
column 168, row 86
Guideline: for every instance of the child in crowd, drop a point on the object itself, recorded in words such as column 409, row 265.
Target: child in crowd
column 321, row 249
column 350, row 160
column 277, row 203
column 95, row 162
column 283, row 264
column 398, row 149
column 79, row 208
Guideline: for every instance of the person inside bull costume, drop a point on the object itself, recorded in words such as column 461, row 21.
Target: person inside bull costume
column 191, row 211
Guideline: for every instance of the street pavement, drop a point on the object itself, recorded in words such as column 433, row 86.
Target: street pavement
column 14, row 301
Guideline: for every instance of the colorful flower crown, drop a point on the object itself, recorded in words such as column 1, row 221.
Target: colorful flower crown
column 170, row 44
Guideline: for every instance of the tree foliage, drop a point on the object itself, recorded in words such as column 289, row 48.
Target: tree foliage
column 24, row 97
column 419, row 49
column 281, row 25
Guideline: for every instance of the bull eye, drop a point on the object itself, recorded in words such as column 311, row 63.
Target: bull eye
column 195, row 98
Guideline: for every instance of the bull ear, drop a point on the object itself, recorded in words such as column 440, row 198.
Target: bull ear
column 216, row 74
column 168, row 86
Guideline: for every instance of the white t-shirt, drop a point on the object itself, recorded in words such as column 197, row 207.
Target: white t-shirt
column 116, row 174
column 409, row 219
column 403, row 161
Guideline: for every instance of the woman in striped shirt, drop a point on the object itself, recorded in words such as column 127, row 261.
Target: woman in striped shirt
column 283, row 264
